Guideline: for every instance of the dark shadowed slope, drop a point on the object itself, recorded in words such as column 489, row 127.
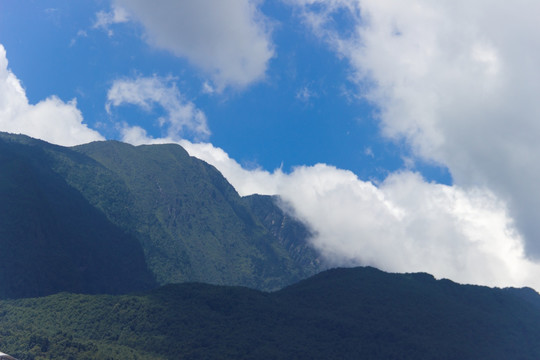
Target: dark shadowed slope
column 111, row 217
column 51, row 238
column 191, row 222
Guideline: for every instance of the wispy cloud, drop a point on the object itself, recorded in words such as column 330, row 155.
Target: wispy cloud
column 305, row 94
column 104, row 20
column 182, row 118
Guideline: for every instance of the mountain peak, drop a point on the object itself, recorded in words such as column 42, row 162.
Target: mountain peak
column 178, row 213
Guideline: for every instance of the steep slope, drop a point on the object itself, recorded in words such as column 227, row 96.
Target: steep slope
column 291, row 234
column 359, row 313
column 51, row 238
column 58, row 203
column 176, row 214
column 191, row 222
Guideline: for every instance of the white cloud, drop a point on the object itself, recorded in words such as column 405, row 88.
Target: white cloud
column 368, row 151
column 104, row 20
column 406, row 224
column 182, row 117
column 207, row 88
column 458, row 80
column 305, row 94
column 228, row 39
column 51, row 119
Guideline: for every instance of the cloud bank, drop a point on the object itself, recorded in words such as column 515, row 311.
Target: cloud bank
column 51, row 119
column 457, row 80
column 227, row 39
column 404, row 224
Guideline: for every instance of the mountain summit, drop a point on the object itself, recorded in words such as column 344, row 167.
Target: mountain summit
column 111, row 217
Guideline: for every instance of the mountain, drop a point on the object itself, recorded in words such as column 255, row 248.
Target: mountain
column 194, row 225
column 291, row 234
column 358, row 313
column 109, row 217
column 51, row 238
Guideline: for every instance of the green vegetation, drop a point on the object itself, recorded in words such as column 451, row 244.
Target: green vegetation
column 359, row 313
column 108, row 217
column 51, row 239
column 291, row 234
column 102, row 224
column 191, row 222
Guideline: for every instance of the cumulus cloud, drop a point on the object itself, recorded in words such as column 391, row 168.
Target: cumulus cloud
column 228, row 39
column 458, row 80
column 182, row 117
column 406, row 224
column 51, row 119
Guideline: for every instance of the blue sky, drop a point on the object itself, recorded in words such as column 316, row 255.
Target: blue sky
column 403, row 134
column 303, row 111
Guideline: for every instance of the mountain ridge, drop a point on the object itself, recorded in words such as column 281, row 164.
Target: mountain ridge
column 188, row 221
column 47, row 229
column 99, row 227
column 339, row 313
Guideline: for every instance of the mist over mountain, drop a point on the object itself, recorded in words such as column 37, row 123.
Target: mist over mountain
column 110, row 217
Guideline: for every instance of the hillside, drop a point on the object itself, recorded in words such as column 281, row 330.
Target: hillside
column 359, row 313
column 51, row 238
column 74, row 218
column 291, row 234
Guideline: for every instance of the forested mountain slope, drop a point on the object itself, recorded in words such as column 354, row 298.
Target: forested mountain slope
column 111, row 217
column 51, row 238
column 359, row 313
column 191, row 222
